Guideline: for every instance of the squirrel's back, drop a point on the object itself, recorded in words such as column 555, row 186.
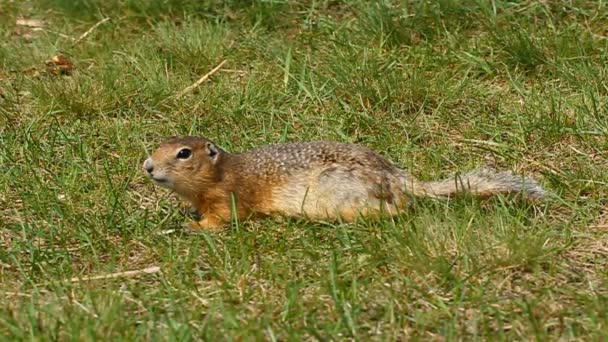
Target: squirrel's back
column 320, row 179
column 289, row 158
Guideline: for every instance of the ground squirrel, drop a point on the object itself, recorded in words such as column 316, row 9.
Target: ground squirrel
column 319, row 180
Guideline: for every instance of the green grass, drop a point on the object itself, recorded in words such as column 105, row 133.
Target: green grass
column 437, row 86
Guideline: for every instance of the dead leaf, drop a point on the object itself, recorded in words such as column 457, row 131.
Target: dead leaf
column 59, row 65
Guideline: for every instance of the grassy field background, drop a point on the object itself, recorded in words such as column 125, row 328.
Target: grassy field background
column 437, row 86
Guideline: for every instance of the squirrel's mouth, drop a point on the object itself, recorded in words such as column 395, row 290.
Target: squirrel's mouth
column 162, row 182
column 159, row 180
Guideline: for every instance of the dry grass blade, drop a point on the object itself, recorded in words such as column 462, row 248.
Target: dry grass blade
column 125, row 274
column 166, row 232
column 200, row 80
column 84, row 35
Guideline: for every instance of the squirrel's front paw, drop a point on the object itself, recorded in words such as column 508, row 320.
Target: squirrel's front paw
column 204, row 224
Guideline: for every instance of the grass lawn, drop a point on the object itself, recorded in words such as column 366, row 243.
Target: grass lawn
column 437, row 86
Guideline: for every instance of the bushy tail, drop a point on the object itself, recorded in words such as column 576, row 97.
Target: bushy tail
column 482, row 183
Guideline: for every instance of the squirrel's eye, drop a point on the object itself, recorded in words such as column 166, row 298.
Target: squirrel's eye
column 184, row 153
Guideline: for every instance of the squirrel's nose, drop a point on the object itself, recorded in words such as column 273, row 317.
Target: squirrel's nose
column 149, row 165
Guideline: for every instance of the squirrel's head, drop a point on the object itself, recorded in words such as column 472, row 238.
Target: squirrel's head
column 184, row 164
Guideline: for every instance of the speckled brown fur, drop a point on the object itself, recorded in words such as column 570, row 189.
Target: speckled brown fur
column 320, row 180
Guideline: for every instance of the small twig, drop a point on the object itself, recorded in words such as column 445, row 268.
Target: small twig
column 200, row 80
column 234, row 71
column 84, row 35
column 148, row 270
column 35, row 23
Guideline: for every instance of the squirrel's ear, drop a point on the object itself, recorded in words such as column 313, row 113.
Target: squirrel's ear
column 212, row 151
